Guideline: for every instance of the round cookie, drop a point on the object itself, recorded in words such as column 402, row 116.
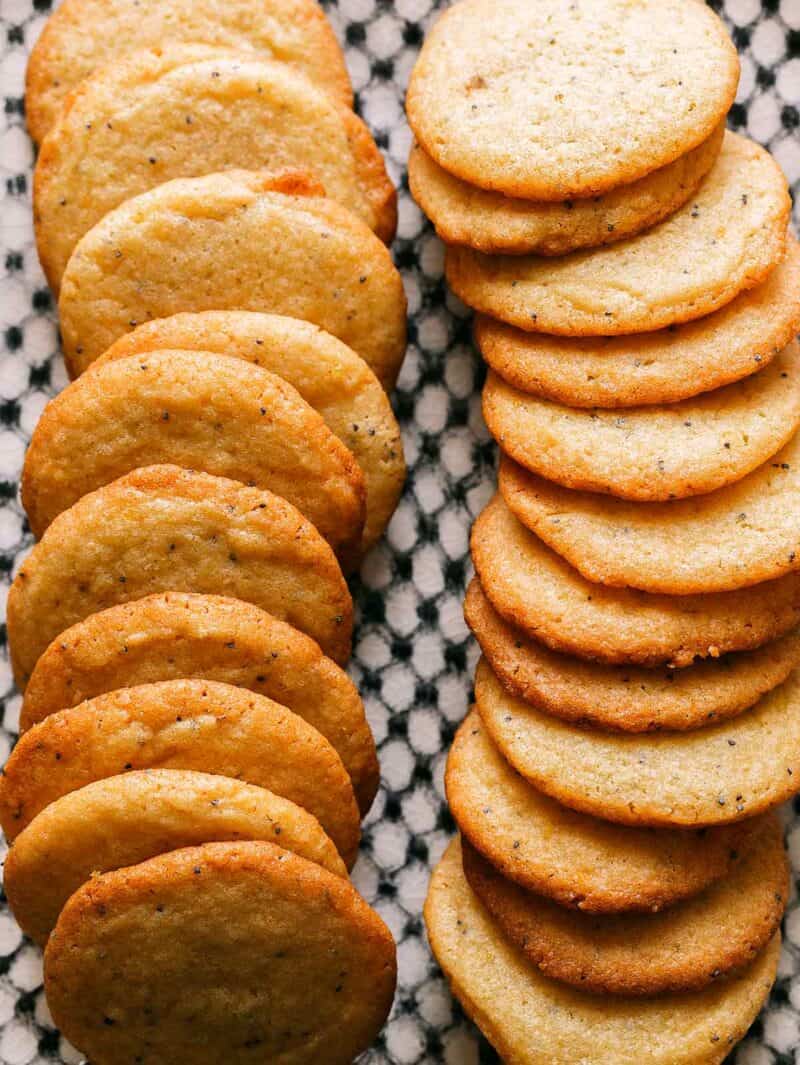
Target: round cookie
column 684, row 948
column 737, row 537
column 235, row 241
column 203, row 412
column 187, row 110
column 163, row 529
column 662, row 367
column 496, row 224
column 651, row 454
column 85, row 34
column 616, row 92
column 578, row 861
column 625, row 698
column 180, row 635
column 295, row 966
column 181, row 724
column 725, row 240
column 711, row 776
column 534, row 589
column 127, row 819
column 536, row 1021
column 326, row 373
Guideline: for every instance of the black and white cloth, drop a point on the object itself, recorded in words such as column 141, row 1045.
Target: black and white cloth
column 413, row 658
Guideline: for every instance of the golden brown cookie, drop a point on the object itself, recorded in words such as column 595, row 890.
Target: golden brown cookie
column 85, row 34
column 662, row 367
column 326, row 373
column 553, row 100
column 180, row 635
column 651, row 454
column 244, row 952
column 163, row 529
column 534, row 589
column 576, row 860
column 737, row 537
column 711, row 776
column 188, row 110
column 181, row 724
column 625, row 698
column 725, row 240
column 532, row 1020
column 497, row 224
column 203, row 412
column 684, row 948
column 241, row 240
column 127, row 819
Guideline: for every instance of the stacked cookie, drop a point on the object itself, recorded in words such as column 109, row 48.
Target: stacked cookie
column 637, row 584
column 185, row 800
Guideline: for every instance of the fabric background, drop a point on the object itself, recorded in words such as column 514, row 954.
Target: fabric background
column 413, row 659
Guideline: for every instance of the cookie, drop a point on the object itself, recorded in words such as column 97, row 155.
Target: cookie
column 711, row 776
column 127, row 819
column 85, row 34
column 651, row 454
column 162, row 529
column 497, row 224
column 326, row 373
column 662, row 367
column 578, row 861
column 625, row 698
column 617, row 91
column 188, row 110
column 181, row 724
column 203, row 412
column 735, row 538
column 179, row 635
column 725, row 240
column 534, row 589
column 234, row 241
column 684, row 948
column 531, row 1019
column 295, row 967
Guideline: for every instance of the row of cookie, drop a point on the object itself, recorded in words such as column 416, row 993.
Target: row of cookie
column 189, row 734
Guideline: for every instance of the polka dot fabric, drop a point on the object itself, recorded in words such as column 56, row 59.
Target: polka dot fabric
column 413, row 659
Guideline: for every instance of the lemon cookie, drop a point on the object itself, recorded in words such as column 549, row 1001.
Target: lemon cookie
column 662, row 367
column 126, row 819
column 725, row 240
column 181, row 724
column 496, row 224
column 536, row 590
column 651, row 453
column 239, row 240
column 85, row 34
column 185, row 111
column 711, row 776
column 179, row 635
column 616, row 90
column 203, row 412
column 162, row 529
column 737, row 537
column 576, row 860
column 326, row 373
column 684, row 948
column 627, row 698
column 533, row 1020
column 244, row 952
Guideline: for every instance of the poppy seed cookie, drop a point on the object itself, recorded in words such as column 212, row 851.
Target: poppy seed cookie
column 181, row 635
column 162, row 529
column 122, row 820
column 274, row 931
column 85, row 34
